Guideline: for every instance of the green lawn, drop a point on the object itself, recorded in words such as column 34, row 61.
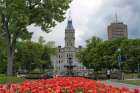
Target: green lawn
column 9, row 79
column 134, row 82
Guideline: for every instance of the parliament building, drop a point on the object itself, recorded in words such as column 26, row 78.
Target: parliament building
column 67, row 53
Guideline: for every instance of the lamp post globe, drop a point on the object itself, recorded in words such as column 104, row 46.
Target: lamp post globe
column 119, row 50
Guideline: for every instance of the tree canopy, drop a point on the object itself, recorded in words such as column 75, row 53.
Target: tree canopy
column 16, row 15
column 29, row 56
column 100, row 54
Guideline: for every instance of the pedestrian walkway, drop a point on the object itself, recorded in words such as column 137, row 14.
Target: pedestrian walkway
column 118, row 84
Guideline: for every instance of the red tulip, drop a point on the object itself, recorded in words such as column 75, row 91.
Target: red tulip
column 136, row 91
column 61, row 84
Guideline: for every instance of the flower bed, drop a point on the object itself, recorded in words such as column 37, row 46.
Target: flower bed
column 63, row 85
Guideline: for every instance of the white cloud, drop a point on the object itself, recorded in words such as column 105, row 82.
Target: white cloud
column 91, row 17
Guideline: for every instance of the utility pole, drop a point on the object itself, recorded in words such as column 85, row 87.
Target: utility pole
column 138, row 68
column 119, row 60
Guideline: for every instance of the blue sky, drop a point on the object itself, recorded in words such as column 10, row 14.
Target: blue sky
column 91, row 18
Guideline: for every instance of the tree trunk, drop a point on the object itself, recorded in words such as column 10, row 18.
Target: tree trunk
column 10, row 45
column 10, row 61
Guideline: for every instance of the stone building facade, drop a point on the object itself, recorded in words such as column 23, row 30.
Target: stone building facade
column 117, row 29
column 62, row 58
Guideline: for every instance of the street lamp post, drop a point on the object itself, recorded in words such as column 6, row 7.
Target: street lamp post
column 138, row 68
column 119, row 60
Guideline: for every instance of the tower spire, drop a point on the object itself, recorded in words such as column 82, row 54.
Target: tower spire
column 69, row 15
column 69, row 24
column 116, row 18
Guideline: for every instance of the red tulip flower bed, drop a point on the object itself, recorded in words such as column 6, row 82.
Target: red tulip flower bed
column 63, row 85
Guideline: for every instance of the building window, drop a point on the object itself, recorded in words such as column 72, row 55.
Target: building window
column 70, row 55
column 59, row 61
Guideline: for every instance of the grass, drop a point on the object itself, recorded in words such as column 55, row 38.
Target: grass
column 131, row 75
column 9, row 79
column 134, row 82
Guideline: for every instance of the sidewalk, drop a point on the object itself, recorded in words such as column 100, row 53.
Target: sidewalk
column 118, row 84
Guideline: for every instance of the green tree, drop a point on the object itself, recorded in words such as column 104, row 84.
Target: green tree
column 89, row 55
column 131, row 48
column 3, row 56
column 48, row 51
column 100, row 54
column 34, row 55
column 108, row 52
column 16, row 15
column 41, row 40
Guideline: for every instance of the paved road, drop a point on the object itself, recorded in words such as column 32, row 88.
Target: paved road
column 117, row 84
